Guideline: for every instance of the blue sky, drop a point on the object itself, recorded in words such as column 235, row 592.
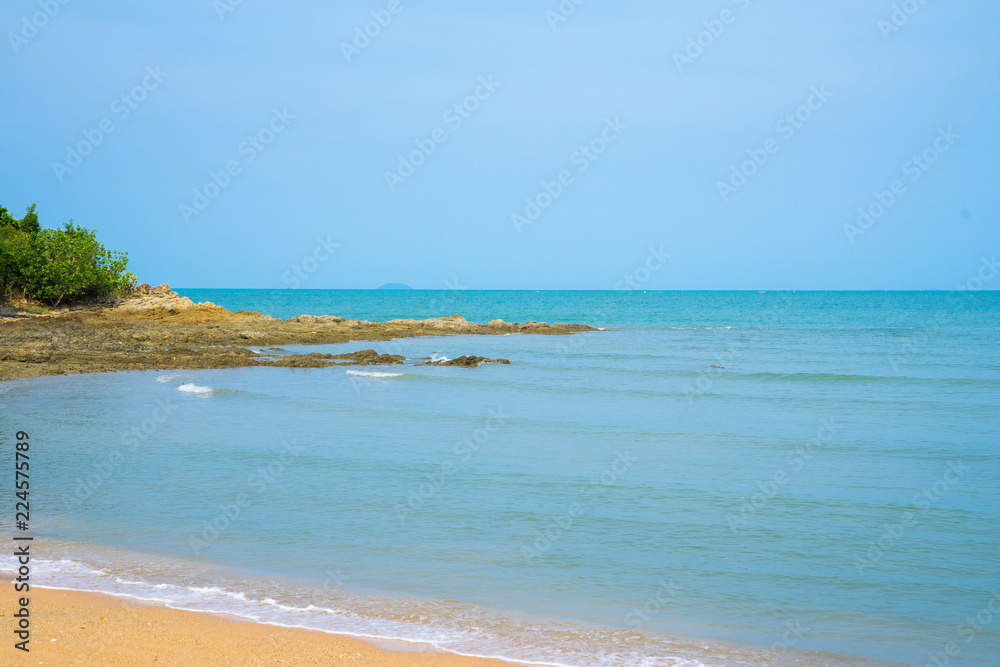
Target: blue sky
column 267, row 90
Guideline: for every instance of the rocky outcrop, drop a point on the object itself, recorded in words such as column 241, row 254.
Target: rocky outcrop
column 318, row 319
column 371, row 358
column 145, row 289
column 160, row 330
column 465, row 361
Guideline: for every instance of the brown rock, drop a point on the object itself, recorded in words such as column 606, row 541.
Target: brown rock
column 133, row 333
column 370, row 358
column 466, row 361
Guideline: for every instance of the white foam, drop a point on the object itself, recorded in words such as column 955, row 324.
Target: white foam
column 218, row 591
column 435, row 358
column 194, row 389
column 374, row 374
column 463, row 634
column 163, row 379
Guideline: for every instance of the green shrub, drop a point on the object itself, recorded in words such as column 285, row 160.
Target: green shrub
column 27, row 224
column 58, row 265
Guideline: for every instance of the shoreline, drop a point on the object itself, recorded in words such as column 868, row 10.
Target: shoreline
column 164, row 332
column 70, row 625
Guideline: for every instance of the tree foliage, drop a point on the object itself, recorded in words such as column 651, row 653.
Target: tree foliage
column 29, row 223
column 58, row 266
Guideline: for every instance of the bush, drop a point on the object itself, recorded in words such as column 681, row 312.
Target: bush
column 58, row 265
column 28, row 224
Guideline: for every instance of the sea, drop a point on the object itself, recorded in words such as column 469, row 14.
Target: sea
column 717, row 479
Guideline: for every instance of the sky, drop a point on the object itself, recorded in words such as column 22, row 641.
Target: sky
column 529, row 144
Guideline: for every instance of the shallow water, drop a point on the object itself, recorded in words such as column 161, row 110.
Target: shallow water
column 829, row 497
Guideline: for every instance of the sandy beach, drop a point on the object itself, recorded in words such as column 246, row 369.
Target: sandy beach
column 73, row 628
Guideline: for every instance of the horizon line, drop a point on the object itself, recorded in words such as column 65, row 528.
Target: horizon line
column 622, row 291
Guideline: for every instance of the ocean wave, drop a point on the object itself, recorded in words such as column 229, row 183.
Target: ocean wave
column 691, row 328
column 217, row 591
column 457, row 628
column 190, row 388
column 374, row 374
column 848, row 378
column 163, row 379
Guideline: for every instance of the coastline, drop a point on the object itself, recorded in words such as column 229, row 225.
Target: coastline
column 426, row 581
column 70, row 626
column 168, row 332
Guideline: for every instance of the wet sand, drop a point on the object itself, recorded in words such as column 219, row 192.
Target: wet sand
column 72, row 628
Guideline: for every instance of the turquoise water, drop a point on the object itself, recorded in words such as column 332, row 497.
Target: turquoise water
column 830, row 496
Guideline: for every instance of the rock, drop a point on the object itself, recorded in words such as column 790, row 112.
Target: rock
column 318, row 319
column 370, row 358
column 453, row 323
column 466, row 361
column 714, row 366
column 145, row 289
column 312, row 360
column 130, row 335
